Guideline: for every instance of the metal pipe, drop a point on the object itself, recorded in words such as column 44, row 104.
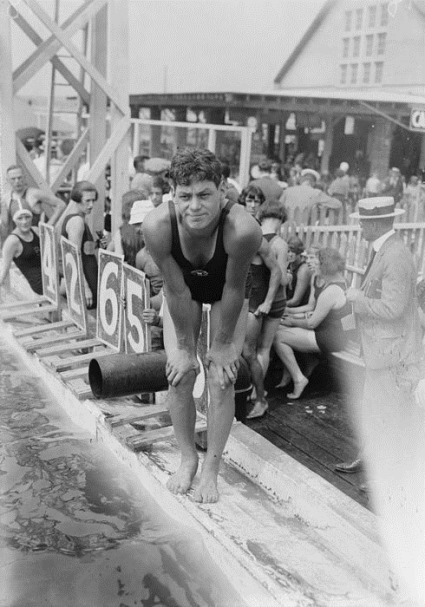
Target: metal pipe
column 126, row 374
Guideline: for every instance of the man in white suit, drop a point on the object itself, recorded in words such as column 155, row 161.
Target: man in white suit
column 391, row 424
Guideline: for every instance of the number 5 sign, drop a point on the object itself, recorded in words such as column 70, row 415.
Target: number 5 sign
column 49, row 263
column 109, row 305
column 74, row 283
column 136, row 290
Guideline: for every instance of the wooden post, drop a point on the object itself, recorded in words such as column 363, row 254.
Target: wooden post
column 7, row 131
column 118, row 73
column 98, row 107
column 155, row 149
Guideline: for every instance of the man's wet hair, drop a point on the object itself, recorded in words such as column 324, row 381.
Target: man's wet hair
column 194, row 164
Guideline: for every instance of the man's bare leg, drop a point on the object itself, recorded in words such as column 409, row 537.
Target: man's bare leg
column 183, row 411
column 221, row 412
column 183, row 416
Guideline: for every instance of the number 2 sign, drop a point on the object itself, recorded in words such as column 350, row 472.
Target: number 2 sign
column 74, row 283
column 49, row 263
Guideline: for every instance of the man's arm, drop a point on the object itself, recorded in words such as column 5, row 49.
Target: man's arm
column 242, row 241
column 157, row 234
column 51, row 205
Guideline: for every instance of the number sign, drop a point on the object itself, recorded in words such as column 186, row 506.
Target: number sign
column 74, row 283
column 109, row 303
column 49, row 263
column 136, row 292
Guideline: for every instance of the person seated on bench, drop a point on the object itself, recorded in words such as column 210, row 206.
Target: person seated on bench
column 299, row 274
column 320, row 332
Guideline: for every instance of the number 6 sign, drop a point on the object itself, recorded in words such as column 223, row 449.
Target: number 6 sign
column 49, row 263
column 73, row 273
column 109, row 305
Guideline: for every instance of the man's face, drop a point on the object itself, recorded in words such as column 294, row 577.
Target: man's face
column 138, row 227
column 156, row 196
column 199, row 203
column 369, row 229
column 87, row 202
column 16, row 180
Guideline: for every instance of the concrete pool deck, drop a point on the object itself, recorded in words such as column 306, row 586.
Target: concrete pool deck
column 281, row 534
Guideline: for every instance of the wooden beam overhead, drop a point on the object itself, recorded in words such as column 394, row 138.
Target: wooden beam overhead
column 65, row 40
column 56, row 62
column 49, row 47
column 72, row 159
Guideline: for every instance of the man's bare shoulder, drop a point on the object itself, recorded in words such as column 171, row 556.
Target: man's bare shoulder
column 241, row 230
column 157, row 228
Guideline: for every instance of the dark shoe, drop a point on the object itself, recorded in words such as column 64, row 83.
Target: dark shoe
column 350, row 467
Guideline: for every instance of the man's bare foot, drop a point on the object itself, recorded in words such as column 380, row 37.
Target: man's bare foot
column 206, row 492
column 259, row 409
column 299, row 387
column 181, row 481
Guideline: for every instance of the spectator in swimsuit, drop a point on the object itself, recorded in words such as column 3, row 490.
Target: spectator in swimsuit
column 23, row 247
column 203, row 247
column 267, row 301
column 75, row 228
column 43, row 205
column 321, row 330
column 298, row 288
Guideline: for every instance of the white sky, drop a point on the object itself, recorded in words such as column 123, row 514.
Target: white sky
column 197, row 45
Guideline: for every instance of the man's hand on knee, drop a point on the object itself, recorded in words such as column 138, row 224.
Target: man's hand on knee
column 179, row 364
column 226, row 362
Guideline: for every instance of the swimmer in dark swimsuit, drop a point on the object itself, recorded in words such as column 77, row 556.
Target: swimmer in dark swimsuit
column 204, row 256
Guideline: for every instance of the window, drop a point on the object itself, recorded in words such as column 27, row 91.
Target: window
column 384, row 14
column 382, row 38
column 372, row 16
column 356, row 46
column 345, row 47
column 343, row 79
column 379, row 70
column 354, row 70
column 359, row 18
column 369, row 45
column 348, row 15
column 366, row 73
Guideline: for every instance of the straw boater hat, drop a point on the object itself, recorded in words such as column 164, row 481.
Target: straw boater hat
column 139, row 210
column 376, row 208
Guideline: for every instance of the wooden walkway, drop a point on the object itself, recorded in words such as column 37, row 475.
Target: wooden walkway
column 317, row 430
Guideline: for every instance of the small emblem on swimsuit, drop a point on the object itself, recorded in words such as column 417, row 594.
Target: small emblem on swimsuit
column 200, row 273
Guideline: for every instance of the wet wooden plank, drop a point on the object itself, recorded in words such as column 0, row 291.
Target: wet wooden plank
column 68, row 347
column 28, row 311
column 53, row 326
column 70, row 362
column 35, row 344
column 146, row 412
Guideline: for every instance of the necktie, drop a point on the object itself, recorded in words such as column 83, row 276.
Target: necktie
column 372, row 257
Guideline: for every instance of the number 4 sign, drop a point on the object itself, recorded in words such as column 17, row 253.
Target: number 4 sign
column 49, row 263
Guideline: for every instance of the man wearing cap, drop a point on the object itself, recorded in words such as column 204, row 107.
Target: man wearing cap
column 300, row 199
column 23, row 247
column 35, row 200
column 391, row 422
column 203, row 246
